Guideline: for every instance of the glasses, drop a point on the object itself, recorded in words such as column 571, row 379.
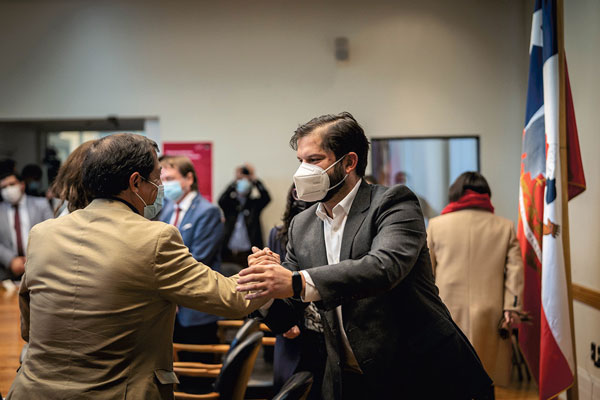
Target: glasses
column 149, row 181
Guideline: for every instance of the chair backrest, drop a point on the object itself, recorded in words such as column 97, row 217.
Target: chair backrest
column 250, row 326
column 238, row 364
column 296, row 387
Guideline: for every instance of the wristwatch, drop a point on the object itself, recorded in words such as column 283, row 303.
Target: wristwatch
column 296, row 284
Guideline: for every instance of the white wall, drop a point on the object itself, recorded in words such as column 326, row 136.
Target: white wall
column 582, row 44
column 245, row 74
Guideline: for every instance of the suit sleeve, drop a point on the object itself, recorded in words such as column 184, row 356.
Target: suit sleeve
column 6, row 256
column 208, row 234
column 24, row 308
column 189, row 283
column 398, row 242
column 24, row 298
column 430, row 245
column 513, row 272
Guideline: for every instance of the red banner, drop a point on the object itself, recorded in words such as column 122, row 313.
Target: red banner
column 200, row 153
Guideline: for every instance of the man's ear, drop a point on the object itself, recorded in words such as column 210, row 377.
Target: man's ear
column 134, row 181
column 190, row 177
column 352, row 162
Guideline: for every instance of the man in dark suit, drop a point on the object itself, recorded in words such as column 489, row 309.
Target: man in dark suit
column 363, row 258
column 242, row 203
column 18, row 214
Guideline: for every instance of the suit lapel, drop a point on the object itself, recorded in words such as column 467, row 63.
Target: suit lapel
column 318, row 246
column 167, row 212
column 32, row 212
column 190, row 212
column 357, row 215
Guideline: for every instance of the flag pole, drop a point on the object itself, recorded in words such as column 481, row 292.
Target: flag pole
column 573, row 391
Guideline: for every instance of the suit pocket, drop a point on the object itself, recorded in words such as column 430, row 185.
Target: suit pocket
column 165, row 376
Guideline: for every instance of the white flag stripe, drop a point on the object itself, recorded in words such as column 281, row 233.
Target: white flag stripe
column 537, row 38
column 555, row 301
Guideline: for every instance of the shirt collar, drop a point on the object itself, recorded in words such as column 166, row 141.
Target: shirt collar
column 341, row 208
column 185, row 203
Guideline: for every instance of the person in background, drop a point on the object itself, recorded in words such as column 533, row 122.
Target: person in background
column 32, row 176
column 242, row 203
column 302, row 348
column 201, row 228
column 18, row 214
column 67, row 189
column 477, row 265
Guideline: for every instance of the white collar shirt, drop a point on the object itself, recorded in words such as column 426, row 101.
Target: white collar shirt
column 183, row 205
column 23, row 220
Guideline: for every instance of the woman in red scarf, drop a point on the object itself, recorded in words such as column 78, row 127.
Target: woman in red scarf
column 478, row 269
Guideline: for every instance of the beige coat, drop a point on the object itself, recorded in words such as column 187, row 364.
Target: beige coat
column 98, row 305
column 478, row 269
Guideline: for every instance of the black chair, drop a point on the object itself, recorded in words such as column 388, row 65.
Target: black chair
column 249, row 326
column 297, row 387
column 233, row 376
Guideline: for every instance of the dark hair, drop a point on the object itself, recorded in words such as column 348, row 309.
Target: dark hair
column 342, row 135
column 183, row 165
column 293, row 207
column 68, row 185
column 32, row 171
column 470, row 180
column 110, row 161
column 7, row 168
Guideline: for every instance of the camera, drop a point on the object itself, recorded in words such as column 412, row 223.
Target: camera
column 245, row 171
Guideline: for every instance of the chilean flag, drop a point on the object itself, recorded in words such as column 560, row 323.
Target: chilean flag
column 547, row 343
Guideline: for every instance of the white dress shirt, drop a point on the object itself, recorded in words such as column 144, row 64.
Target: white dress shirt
column 333, row 230
column 23, row 220
column 183, row 205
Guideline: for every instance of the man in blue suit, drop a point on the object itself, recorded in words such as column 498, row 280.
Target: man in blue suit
column 18, row 214
column 201, row 228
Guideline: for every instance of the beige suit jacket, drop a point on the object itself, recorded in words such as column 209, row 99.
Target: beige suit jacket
column 98, row 305
column 478, row 268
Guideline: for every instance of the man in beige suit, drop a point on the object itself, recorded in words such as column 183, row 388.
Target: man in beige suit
column 101, row 285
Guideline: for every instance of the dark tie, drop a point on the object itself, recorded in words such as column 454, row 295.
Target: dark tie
column 18, row 231
column 177, row 208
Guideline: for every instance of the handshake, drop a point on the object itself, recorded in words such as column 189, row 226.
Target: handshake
column 265, row 277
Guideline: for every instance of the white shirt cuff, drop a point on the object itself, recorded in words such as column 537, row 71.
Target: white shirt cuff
column 310, row 290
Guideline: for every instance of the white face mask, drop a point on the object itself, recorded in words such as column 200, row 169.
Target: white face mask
column 312, row 181
column 12, row 193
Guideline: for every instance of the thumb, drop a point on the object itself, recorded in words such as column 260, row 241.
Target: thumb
column 255, row 249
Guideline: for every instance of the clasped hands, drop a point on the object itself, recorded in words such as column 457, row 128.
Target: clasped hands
column 265, row 277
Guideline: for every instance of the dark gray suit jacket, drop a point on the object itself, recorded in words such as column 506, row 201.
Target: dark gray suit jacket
column 38, row 209
column 400, row 331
